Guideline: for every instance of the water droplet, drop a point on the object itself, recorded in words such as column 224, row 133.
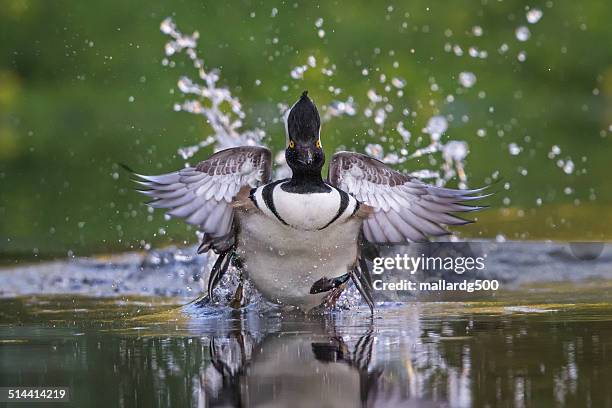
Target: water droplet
column 170, row 49
column 514, row 149
column 373, row 96
column 167, row 26
column 534, row 15
column 522, row 33
column 403, row 132
column 184, row 84
column 339, row 108
column 298, row 72
column 374, row 150
column 380, row 116
column 328, row 71
column 467, row 79
column 554, row 151
column 436, row 126
column 455, row 150
column 398, row 82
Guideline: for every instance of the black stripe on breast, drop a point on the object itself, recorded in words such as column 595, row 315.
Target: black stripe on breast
column 344, row 202
column 252, row 197
column 357, row 205
column 266, row 193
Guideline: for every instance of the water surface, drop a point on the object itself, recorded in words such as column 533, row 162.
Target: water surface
column 527, row 348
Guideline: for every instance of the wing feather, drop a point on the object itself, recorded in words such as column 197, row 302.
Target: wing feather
column 410, row 233
column 174, row 202
column 391, row 233
column 160, row 195
column 367, row 232
column 185, row 210
column 203, row 194
column 215, row 217
column 167, row 179
column 200, row 215
column 405, row 208
column 377, row 232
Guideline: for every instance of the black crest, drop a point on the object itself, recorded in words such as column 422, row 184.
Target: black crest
column 304, row 122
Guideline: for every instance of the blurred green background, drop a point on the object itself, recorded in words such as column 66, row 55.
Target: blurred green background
column 82, row 88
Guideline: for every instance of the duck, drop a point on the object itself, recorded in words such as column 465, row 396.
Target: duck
column 299, row 240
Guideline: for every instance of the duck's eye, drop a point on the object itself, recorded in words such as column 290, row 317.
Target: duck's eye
column 318, row 144
column 291, row 144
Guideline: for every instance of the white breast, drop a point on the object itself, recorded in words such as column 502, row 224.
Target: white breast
column 284, row 262
column 306, row 211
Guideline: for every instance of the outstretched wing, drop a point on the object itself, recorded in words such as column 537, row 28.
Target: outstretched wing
column 405, row 209
column 202, row 195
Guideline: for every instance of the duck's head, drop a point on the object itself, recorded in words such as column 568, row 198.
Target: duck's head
column 304, row 152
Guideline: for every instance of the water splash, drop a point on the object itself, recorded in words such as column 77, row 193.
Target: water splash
column 204, row 97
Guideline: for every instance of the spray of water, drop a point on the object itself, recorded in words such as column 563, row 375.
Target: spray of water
column 223, row 112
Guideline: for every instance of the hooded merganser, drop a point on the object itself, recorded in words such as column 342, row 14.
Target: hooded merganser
column 299, row 240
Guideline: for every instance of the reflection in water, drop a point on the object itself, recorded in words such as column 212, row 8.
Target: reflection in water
column 409, row 355
column 291, row 369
